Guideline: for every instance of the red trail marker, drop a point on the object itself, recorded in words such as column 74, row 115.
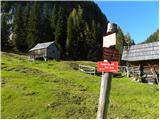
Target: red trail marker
column 107, row 67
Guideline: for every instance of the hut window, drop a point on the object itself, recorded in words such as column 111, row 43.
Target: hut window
column 53, row 51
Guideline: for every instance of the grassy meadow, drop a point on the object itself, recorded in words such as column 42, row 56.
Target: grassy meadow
column 57, row 89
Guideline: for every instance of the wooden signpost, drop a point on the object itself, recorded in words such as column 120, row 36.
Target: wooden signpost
column 109, row 40
column 110, row 56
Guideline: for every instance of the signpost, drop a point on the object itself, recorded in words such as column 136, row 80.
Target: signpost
column 109, row 40
column 110, row 56
column 107, row 67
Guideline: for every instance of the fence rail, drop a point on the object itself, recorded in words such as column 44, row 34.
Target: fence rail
column 87, row 69
column 134, row 72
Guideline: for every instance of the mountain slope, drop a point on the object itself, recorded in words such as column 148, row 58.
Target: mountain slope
column 153, row 37
column 34, row 22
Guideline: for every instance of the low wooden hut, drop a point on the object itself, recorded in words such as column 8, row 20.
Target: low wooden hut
column 142, row 61
column 47, row 50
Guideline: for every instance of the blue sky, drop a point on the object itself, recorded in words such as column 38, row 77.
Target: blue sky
column 138, row 18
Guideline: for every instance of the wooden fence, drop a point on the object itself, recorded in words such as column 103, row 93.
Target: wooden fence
column 87, row 69
column 147, row 75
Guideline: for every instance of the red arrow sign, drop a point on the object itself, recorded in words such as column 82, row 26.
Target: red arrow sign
column 107, row 66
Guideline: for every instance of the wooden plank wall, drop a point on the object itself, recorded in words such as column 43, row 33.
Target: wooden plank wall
column 150, row 71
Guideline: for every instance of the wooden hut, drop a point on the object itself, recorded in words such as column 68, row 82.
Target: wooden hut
column 47, row 50
column 142, row 61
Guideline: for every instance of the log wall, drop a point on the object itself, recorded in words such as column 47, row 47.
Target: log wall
column 150, row 72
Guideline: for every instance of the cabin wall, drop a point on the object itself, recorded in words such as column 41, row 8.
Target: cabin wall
column 53, row 52
column 38, row 53
column 150, row 69
column 146, row 64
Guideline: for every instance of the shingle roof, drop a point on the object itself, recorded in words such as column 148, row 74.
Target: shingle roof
column 149, row 51
column 41, row 45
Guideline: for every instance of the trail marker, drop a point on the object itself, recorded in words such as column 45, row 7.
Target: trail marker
column 109, row 40
column 107, row 66
column 109, row 55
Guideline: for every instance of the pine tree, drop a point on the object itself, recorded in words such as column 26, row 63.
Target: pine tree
column 127, row 38
column 75, row 35
column 88, row 41
column 5, row 6
column 71, row 35
column 25, row 22
column 60, row 32
column 46, row 25
column 53, row 20
column 34, row 26
column 18, row 30
column 153, row 37
column 92, row 45
column 4, row 33
column 120, row 40
column 81, row 42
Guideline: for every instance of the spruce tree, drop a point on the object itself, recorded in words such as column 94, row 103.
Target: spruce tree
column 71, row 35
column 127, row 38
column 4, row 33
column 81, row 48
column 120, row 40
column 153, row 37
column 18, row 30
column 53, row 20
column 90, row 37
column 25, row 22
column 5, row 6
column 75, row 35
column 34, row 26
column 60, row 32
column 46, row 25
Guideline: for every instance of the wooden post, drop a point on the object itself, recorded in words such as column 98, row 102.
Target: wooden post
column 127, row 71
column 79, row 66
column 106, row 77
column 154, row 73
column 104, row 95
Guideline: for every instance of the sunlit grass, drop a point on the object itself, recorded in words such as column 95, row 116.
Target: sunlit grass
column 57, row 89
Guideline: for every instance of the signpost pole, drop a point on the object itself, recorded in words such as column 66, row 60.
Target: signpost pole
column 106, row 77
column 104, row 94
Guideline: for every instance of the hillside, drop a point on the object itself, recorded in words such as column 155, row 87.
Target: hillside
column 72, row 25
column 153, row 37
column 56, row 89
column 69, row 24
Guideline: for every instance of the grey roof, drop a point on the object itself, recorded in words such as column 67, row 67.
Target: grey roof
column 41, row 45
column 149, row 51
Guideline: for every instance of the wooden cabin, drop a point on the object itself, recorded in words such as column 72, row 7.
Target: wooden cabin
column 142, row 61
column 47, row 50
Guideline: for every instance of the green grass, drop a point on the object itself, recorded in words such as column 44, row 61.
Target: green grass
column 56, row 89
